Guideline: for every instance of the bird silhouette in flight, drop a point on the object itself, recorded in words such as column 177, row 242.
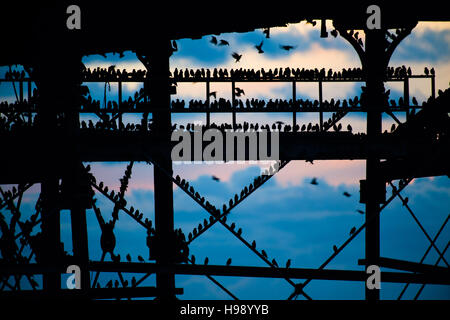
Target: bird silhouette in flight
column 236, row 56
column 213, row 94
column 345, row 193
column 259, row 47
column 314, row 181
column 224, row 43
column 239, row 92
column 352, row 230
column 267, row 32
column 213, row 40
column 215, row 178
column 287, row 47
column 228, row 261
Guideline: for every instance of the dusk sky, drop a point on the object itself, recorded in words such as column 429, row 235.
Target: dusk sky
column 287, row 217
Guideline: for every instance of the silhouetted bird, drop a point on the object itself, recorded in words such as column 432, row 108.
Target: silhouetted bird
column 426, row 71
column 393, row 127
column 274, row 262
column 236, row 56
column 360, row 211
column 286, row 47
column 224, row 43
column 213, row 94
column 239, row 92
column 405, row 201
column 140, row 259
column 193, row 259
column 264, row 254
column 206, row 261
column 288, row 263
column 349, row 128
column 334, row 33
column 314, row 181
column 259, row 47
column 335, row 248
column 228, row 261
column 352, row 230
column 239, row 232
column 253, row 244
column 215, row 178
column 414, row 101
column 267, row 32
column 128, row 257
column 213, row 40
column 348, row 195
column 432, row 71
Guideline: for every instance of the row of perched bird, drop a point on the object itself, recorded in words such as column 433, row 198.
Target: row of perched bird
column 113, row 74
column 258, row 104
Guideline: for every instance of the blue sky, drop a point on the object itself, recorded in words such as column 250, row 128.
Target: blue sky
column 288, row 217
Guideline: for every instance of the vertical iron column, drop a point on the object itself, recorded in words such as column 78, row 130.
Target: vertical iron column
column 375, row 66
column 164, row 221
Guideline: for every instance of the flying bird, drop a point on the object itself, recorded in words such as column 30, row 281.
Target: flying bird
column 239, row 92
column 224, row 43
column 213, row 94
column 236, row 56
column 348, row 195
column 213, row 40
column 314, row 181
column 287, row 47
column 259, row 47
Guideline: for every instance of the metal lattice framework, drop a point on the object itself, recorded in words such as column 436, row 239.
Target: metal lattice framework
column 416, row 148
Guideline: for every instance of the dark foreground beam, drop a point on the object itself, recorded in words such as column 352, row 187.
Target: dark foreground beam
column 240, row 271
column 97, row 293
column 409, row 266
